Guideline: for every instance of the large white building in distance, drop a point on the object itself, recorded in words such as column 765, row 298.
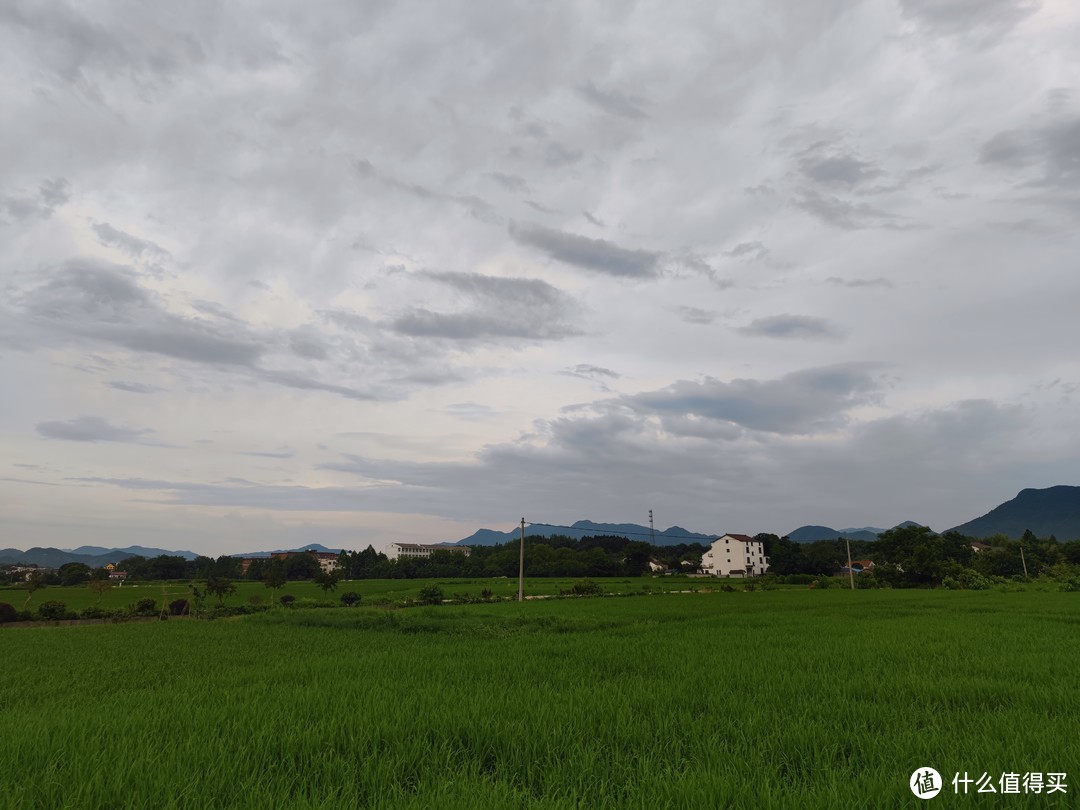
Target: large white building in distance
column 398, row 551
column 735, row 555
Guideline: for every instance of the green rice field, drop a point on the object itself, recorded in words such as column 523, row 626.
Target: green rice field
column 786, row 698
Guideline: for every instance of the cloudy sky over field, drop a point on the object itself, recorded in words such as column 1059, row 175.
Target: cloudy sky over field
column 350, row 273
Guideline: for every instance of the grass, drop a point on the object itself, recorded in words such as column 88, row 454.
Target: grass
column 371, row 590
column 788, row 698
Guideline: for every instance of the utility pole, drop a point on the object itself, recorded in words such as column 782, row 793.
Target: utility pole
column 652, row 530
column 850, row 573
column 521, row 564
column 1023, row 561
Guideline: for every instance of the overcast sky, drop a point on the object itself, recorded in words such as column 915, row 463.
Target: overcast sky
column 352, row 273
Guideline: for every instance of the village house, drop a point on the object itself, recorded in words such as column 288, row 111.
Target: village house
column 398, row 551
column 735, row 555
column 328, row 560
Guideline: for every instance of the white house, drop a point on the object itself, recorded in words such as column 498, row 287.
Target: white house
column 398, row 551
column 735, row 555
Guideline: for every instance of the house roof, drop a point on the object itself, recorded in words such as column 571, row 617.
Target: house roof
column 742, row 538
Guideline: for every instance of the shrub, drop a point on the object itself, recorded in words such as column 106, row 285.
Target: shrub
column 145, row 607
column 749, row 587
column 94, row 612
column 1070, row 585
column 798, row 579
column 967, row 580
column 822, row 581
column 585, row 587
column 350, row 598
column 287, row 599
column 179, row 607
column 727, row 588
column 8, row 613
column 52, row 610
column 487, row 594
column 430, row 595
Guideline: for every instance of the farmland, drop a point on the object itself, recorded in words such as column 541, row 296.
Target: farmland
column 786, row 698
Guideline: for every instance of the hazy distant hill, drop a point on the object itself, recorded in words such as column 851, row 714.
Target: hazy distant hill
column 811, row 534
column 1051, row 511
column 672, row 536
column 93, row 556
column 308, row 547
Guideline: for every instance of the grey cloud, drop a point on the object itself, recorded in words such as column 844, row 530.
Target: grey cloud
column 541, row 208
column 590, row 372
column 307, row 345
column 500, row 308
column 613, row 102
column 1054, row 149
column 597, row 255
column 471, row 411
column 292, row 379
column 752, row 251
column 695, row 315
column 594, row 220
column 52, row 194
column 131, row 245
column 800, row 327
column 836, row 168
column 470, row 202
column 284, row 452
column 133, row 387
column 511, row 182
column 807, row 401
column 952, row 17
column 858, row 282
column 557, row 156
column 843, row 214
column 106, row 303
column 90, row 429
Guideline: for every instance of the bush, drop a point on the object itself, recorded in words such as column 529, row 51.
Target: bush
column 350, row 598
column 94, row 612
column 52, row 611
column 798, row 579
column 1070, row 585
column 179, row 607
column 749, row 587
column 287, row 599
column 145, row 607
column 822, row 581
column 8, row 613
column 585, row 587
column 430, row 595
column 487, row 594
column 967, row 580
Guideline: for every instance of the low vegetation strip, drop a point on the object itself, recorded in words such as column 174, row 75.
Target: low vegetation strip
column 786, row 698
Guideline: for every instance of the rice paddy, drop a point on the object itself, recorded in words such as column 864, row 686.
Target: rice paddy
column 786, row 698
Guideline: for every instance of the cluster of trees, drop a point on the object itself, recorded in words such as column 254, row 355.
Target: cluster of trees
column 556, row 556
column 915, row 556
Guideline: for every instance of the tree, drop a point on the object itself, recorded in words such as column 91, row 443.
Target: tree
column 274, row 575
column 327, row 580
column 349, row 598
column 35, row 581
column 221, row 588
column 301, row 566
column 99, row 587
column 74, row 573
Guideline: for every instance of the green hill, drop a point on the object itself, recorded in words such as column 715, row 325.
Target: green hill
column 1051, row 511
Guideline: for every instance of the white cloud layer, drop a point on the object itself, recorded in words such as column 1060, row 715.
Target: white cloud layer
column 383, row 271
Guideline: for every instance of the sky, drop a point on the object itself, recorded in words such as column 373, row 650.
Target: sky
column 274, row 273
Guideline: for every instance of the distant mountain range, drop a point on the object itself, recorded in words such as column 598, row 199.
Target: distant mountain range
column 94, row 556
column 1051, row 511
column 586, row 528
column 308, row 547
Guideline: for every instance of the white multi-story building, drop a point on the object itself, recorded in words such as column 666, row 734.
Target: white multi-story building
column 735, row 555
column 398, row 551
